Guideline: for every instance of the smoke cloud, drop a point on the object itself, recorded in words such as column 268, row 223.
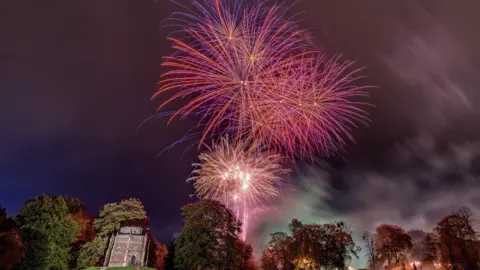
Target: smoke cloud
column 426, row 176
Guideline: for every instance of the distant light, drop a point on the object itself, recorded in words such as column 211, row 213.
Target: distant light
column 417, row 263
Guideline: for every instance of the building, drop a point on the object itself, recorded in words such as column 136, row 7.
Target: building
column 130, row 247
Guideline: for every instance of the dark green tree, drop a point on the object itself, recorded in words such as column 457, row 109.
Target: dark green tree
column 92, row 252
column 170, row 259
column 47, row 231
column 194, row 248
column 85, row 231
column 113, row 215
column 109, row 220
column 209, row 237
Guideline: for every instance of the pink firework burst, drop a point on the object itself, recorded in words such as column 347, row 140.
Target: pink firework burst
column 239, row 175
column 307, row 107
column 251, row 74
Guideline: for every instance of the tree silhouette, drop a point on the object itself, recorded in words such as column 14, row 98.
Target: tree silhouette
column 310, row 246
column 392, row 244
column 458, row 240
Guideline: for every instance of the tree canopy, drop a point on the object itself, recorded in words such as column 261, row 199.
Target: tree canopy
column 3, row 214
column 458, row 241
column 310, row 246
column 109, row 220
column 47, row 231
column 12, row 250
column 209, row 238
column 392, row 244
column 112, row 215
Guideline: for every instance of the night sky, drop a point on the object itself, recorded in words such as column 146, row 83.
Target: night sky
column 76, row 81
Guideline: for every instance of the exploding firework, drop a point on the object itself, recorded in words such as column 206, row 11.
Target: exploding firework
column 308, row 108
column 241, row 177
column 250, row 73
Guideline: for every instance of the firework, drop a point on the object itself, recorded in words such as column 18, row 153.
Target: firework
column 250, row 73
column 307, row 108
column 225, row 52
column 241, row 177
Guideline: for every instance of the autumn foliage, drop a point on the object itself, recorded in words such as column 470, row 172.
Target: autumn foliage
column 392, row 244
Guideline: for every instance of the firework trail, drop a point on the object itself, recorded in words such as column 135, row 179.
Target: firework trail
column 240, row 176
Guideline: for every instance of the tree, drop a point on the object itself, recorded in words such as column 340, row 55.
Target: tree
column 310, row 246
column 161, row 253
column 208, row 238
column 169, row 260
column 113, row 215
column 3, row 215
column 277, row 253
column 369, row 239
column 245, row 256
column 458, row 240
column 85, row 232
column 109, row 220
column 196, row 248
column 392, row 244
column 430, row 250
column 12, row 250
column 92, row 252
column 339, row 246
column 78, row 210
column 47, row 231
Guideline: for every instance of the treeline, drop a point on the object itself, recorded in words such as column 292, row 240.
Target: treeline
column 210, row 240
column 56, row 232
column 452, row 244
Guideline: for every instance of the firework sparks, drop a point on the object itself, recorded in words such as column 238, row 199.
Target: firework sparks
column 241, row 177
column 307, row 108
column 251, row 74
